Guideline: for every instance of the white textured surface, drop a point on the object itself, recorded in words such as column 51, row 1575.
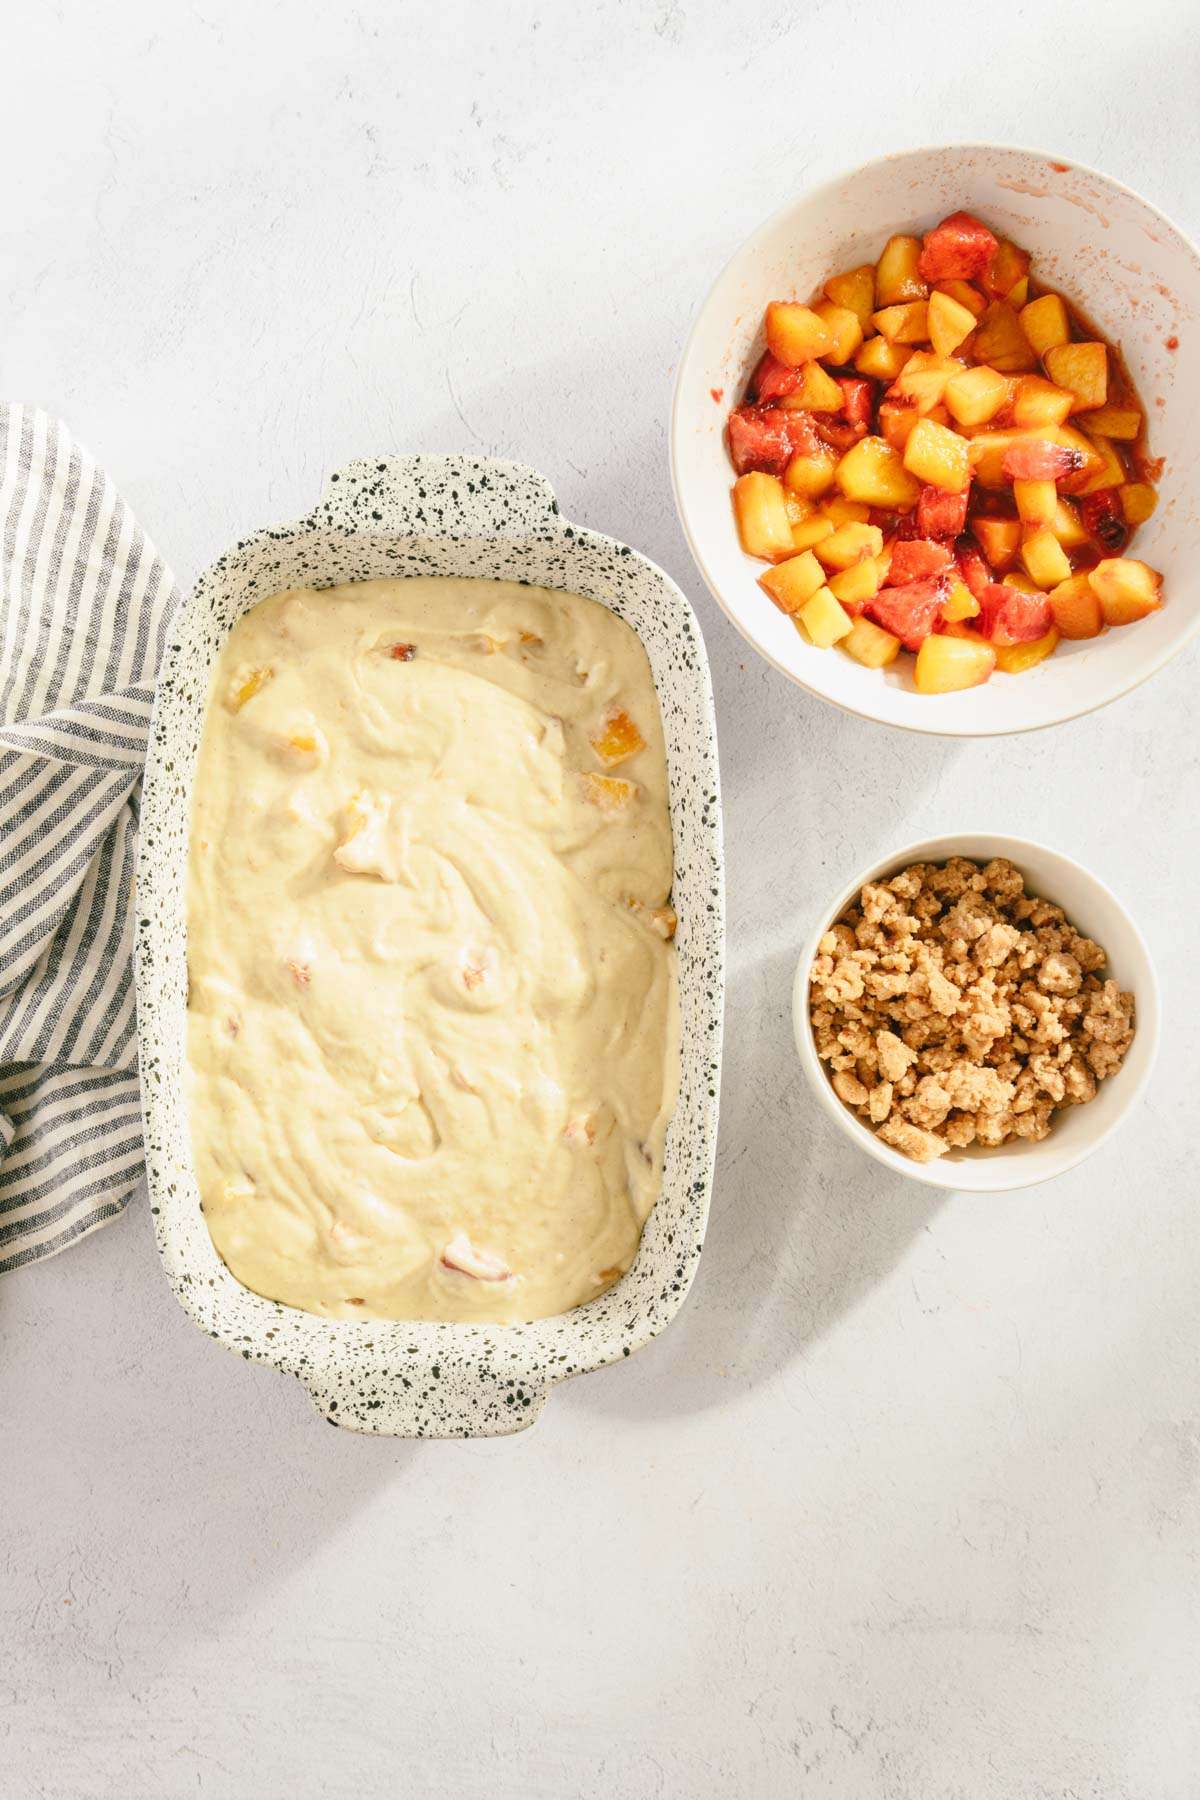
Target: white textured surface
column 905, row 1504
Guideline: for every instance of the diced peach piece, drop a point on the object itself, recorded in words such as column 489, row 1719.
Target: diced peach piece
column 924, row 379
column 1036, row 501
column 844, row 328
column 1126, row 589
column 762, row 517
column 849, row 544
column 896, row 276
column 965, row 294
column 460, row 1254
column 1018, row 293
column 1014, row 659
column 1032, row 458
column 811, row 531
column 1067, row 526
column 816, row 391
column 824, row 620
column 245, row 684
column 795, row 334
column 854, row 290
column 1044, row 557
column 854, row 586
column 960, row 602
column 881, row 360
column 870, row 645
column 1000, row 343
column 1076, row 608
column 1083, row 370
column 896, row 422
column 1008, row 267
column 1111, row 473
column 845, row 512
column 949, row 323
column 939, row 456
column 793, row 582
column 608, row 793
column 976, row 395
column 1037, row 401
column 811, row 476
column 798, row 508
column 999, row 539
column 988, row 450
column 1091, row 460
column 1138, row 501
column 1055, row 452
column 1121, row 422
column 617, row 738
column 907, row 323
column 364, row 849
column 1024, row 584
column 873, row 473
column 946, row 664
column 1046, row 322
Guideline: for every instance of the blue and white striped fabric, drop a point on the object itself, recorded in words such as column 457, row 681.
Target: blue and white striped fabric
column 84, row 605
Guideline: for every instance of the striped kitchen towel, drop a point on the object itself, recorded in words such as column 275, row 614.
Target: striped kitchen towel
column 84, row 605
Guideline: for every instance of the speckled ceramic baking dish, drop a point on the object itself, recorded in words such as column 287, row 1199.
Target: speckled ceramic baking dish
column 428, row 515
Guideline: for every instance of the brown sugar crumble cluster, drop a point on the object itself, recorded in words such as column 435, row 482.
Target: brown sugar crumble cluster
column 952, row 1008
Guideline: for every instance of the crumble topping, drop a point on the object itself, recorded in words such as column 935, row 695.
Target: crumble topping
column 953, row 1008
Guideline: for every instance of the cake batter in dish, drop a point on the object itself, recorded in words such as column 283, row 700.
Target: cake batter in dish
column 433, row 1019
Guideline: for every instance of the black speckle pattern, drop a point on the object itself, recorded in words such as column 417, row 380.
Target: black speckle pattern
column 433, row 515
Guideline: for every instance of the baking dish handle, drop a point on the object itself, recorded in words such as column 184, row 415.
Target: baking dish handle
column 440, row 497
column 430, row 1400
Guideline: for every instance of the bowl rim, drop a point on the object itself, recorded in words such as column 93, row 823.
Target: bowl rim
column 1119, row 686
column 945, row 1173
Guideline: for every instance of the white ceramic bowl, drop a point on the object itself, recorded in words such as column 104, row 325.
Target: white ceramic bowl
column 1131, row 271
column 433, row 515
column 1093, row 909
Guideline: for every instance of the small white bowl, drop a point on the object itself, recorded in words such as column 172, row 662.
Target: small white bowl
column 1130, row 270
column 1093, row 909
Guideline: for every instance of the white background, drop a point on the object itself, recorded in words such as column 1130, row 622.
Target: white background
column 905, row 1503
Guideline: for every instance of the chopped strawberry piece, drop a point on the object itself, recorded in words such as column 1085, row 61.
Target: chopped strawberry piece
column 802, row 433
column 1104, row 520
column 941, row 515
column 973, row 567
column 1038, row 460
column 907, row 526
column 909, row 611
column 773, row 379
column 759, row 438
column 958, row 249
column 915, row 559
column 856, row 399
column 1009, row 615
column 840, row 435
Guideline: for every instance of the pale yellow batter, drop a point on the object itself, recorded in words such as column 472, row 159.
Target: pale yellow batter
column 433, row 1027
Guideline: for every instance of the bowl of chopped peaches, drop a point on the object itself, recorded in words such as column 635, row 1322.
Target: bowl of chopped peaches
column 928, row 440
